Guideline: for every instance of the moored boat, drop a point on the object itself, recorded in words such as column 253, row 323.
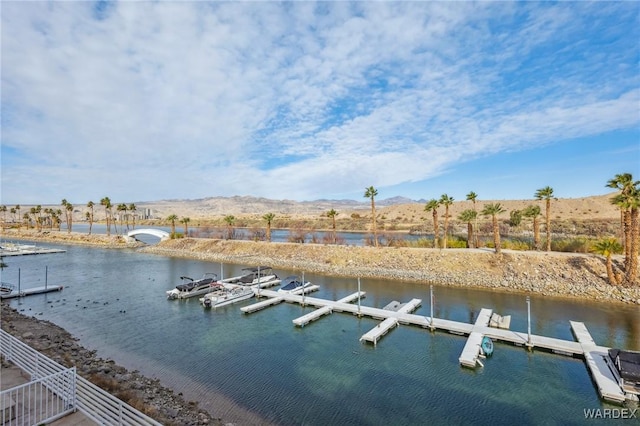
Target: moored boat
column 192, row 288
column 226, row 296
column 487, row 346
column 259, row 275
column 626, row 368
column 293, row 284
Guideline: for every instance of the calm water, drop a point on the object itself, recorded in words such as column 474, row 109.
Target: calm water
column 277, row 235
column 260, row 368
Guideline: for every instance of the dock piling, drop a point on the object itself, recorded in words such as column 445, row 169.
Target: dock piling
column 529, row 344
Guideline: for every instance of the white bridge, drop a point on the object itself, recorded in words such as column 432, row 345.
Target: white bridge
column 163, row 235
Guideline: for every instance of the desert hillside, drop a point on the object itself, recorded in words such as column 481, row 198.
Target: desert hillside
column 402, row 212
column 595, row 207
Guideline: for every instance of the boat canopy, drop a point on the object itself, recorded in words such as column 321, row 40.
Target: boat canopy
column 255, row 273
column 291, row 282
column 627, row 363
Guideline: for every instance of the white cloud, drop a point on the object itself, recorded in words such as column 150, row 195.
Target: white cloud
column 296, row 100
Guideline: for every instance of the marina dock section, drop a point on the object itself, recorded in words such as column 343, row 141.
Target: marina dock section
column 471, row 351
column 10, row 293
column 15, row 249
column 595, row 356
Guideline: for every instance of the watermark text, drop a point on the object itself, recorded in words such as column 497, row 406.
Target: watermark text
column 610, row 413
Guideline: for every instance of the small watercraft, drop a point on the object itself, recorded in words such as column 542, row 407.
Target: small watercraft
column 487, row 346
column 191, row 288
column 226, row 296
column 293, row 284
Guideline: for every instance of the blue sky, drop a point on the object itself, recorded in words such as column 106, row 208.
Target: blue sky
column 143, row 101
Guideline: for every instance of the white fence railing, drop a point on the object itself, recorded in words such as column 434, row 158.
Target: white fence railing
column 39, row 401
column 73, row 391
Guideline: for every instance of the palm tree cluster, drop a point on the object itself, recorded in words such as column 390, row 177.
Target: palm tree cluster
column 628, row 201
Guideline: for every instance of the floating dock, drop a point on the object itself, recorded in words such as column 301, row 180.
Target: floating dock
column 274, row 298
column 314, row 315
column 594, row 355
column 471, row 351
column 12, row 249
column 29, row 291
column 387, row 324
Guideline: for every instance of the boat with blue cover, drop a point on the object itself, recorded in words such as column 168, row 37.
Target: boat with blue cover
column 487, row 346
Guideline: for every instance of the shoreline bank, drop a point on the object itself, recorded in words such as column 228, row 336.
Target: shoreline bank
column 147, row 395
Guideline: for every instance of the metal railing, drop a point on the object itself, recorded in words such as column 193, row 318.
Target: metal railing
column 51, row 380
column 39, row 401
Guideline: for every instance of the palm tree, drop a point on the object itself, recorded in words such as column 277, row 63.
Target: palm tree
column 185, row 221
column 432, row 206
column 269, row 218
column 494, row 210
column 332, row 214
column 106, row 202
column 132, row 209
column 629, row 203
column 122, row 207
column 64, row 203
column 25, row 219
column 57, row 215
column 39, row 218
column 546, row 194
column 172, row 218
column 89, row 215
column 446, row 201
column 371, row 193
column 230, row 219
column 13, row 214
column 606, row 248
column 69, row 216
column 468, row 216
column 472, row 196
column 32, row 212
column 18, row 210
column 533, row 212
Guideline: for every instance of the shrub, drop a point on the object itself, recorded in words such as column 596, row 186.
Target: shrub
column 573, row 245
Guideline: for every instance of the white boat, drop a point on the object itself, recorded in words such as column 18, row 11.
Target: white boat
column 226, row 296
column 293, row 284
column 192, row 288
column 260, row 275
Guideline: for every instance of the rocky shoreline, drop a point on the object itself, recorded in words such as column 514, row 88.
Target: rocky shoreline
column 147, row 395
column 553, row 274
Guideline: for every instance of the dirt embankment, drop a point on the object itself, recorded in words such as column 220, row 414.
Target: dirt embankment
column 552, row 274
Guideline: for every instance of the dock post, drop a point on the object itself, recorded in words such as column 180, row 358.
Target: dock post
column 303, row 289
column 18, row 281
column 46, row 276
column 431, row 326
column 359, row 314
column 529, row 345
column 259, row 282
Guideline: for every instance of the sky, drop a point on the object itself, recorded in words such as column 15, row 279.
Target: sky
column 145, row 101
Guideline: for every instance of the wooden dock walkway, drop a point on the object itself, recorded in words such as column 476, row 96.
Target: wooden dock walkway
column 471, row 350
column 387, row 324
column 30, row 291
column 594, row 356
column 585, row 347
column 11, row 249
column 314, row 315
column 274, row 298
